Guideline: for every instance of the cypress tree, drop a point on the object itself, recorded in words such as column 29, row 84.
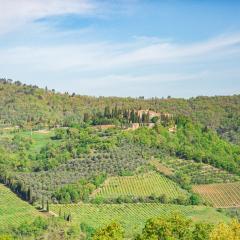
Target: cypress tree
column 132, row 116
column 47, row 206
column 43, row 203
column 107, row 113
column 60, row 212
column 29, row 195
column 85, row 117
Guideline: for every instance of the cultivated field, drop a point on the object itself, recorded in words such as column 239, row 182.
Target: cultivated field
column 225, row 195
column 199, row 173
column 140, row 185
column 133, row 216
column 14, row 211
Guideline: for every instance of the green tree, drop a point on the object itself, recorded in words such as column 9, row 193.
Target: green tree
column 222, row 232
column 86, row 117
column 113, row 231
column 201, row 231
column 6, row 237
column 194, row 199
column 107, row 112
column 156, row 228
column 175, row 227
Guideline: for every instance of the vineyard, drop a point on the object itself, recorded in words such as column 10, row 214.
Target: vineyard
column 199, row 173
column 225, row 195
column 140, row 185
column 132, row 216
column 14, row 211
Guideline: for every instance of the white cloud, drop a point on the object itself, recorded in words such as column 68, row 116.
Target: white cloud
column 168, row 51
column 105, row 56
column 16, row 13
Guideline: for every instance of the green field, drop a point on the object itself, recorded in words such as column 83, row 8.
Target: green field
column 14, row 211
column 38, row 138
column 133, row 216
column 140, row 185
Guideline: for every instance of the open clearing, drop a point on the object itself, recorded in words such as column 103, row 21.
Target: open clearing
column 222, row 195
column 133, row 216
column 39, row 139
column 14, row 211
column 140, row 185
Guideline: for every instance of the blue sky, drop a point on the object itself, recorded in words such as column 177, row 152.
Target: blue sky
column 123, row 48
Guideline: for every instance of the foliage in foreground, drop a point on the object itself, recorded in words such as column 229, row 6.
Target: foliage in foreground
column 113, row 231
column 175, row 227
column 172, row 227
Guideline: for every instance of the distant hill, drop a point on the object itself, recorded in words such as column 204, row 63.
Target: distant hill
column 22, row 105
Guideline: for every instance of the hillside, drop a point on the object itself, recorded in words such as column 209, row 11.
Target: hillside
column 42, row 162
column 86, row 160
column 29, row 105
column 14, row 211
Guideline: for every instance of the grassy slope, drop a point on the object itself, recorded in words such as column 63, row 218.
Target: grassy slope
column 39, row 139
column 133, row 216
column 140, row 185
column 14, row 211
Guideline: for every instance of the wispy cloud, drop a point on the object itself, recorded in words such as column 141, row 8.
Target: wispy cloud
column 16, row 13
column 113, row 56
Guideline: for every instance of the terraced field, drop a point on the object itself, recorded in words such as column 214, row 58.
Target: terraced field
column 14, row 211
column 224, row 195
column 140, row 185
column 133, row 216
column 199, row 173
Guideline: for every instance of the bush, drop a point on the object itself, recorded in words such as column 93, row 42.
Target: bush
column 33, row 229
column 87, row 230
column 6, row 237
column 194, row 199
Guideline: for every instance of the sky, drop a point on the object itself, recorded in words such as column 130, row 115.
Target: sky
column 151, row 48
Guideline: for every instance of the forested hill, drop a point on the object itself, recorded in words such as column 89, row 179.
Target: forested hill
column 23, row 105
